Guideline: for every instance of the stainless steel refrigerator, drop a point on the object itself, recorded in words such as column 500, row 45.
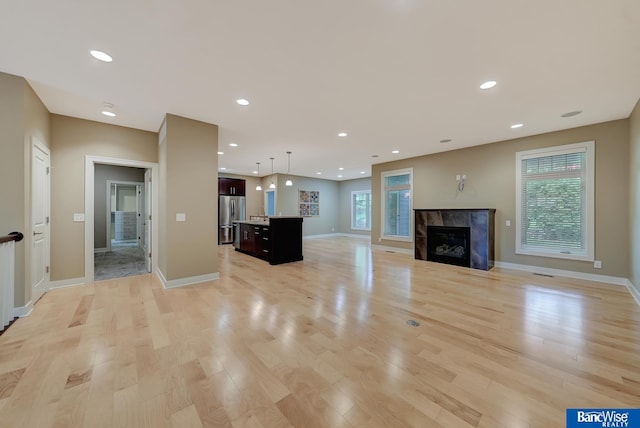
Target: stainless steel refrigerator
column 230, row 209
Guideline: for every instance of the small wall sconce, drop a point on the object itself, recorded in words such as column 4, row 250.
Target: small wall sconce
column 461, row 179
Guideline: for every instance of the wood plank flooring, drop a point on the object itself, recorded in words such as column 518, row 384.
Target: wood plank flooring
column 323, row 343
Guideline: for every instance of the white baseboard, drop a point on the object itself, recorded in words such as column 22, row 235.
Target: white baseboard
column 100, row 250
column 410, row 252
column 72, row 282
column 182, row 282
column 335, row 234
column 23, row 311
column 566, row 273
column 323, row 235
column 634, row 292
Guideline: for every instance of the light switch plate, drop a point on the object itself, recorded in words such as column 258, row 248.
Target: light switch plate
column 78, row 217
column 181, row 217
column 507, row 223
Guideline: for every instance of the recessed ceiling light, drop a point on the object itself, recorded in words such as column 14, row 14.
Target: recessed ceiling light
column 395, row 152
column 319, row 173
column 339, row 175
column 517, row 125
column 446, row 140
column 108, row 113
column 220, row 153
column 571, row 113
column 342, row 134
column 105, row 57
column 341, row 169
column 242, row 102
column 222, row 168
column 488, row 84
column 233, row 144
column 362, row 172
column 255, row 172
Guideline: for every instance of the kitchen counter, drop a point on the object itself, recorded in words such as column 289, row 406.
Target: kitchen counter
column 274, row 239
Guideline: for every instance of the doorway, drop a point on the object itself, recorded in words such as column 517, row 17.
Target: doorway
column 39, row 250
column 147, row 197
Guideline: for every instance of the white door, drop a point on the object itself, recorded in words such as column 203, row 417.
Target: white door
column 40, row 188
column 147, row 218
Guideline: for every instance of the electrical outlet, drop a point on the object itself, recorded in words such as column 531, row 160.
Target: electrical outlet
column 597, row 264
column 181, row 217
column 507, row 223
column 458, row 177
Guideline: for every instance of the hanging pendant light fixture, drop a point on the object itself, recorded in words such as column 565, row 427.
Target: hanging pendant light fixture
column 288, row 182
column 272, row 185
column 258, row 187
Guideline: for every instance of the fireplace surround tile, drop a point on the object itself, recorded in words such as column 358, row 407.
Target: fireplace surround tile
column 481, row 222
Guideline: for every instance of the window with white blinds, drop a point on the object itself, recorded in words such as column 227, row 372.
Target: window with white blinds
column 554, row 201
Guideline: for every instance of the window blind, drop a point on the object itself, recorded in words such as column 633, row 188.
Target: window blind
column 554, row 202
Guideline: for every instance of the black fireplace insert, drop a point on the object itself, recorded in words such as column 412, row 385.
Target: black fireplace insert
column 449, row 245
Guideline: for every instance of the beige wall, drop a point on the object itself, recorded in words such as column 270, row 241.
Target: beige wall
column 71, row 141
column 191, row 187
column 344, row 205
column 490, row 171
column 22, row 116
column 12, row 165
column 162, row 197
column 104, row 173
column 287, row 202
column 634, row 199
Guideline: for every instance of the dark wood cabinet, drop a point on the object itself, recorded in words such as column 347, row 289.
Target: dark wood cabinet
column 280, row 241
column 231, row 186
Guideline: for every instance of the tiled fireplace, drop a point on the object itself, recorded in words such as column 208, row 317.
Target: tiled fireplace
column 463, row 237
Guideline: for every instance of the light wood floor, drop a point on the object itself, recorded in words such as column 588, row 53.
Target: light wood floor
column 323, row 343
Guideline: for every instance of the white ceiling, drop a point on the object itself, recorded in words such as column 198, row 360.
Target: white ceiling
column 394, row 74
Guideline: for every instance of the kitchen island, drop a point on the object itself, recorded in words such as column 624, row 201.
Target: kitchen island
column 273, row 239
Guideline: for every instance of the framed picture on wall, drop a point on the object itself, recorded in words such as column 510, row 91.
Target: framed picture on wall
column 309, row 203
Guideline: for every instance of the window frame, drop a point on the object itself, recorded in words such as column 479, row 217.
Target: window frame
column 383, row 177
column 588, row 147
column 353, row 194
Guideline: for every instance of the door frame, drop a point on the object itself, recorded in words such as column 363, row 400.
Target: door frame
column 34, row 294
column 139, row 188
column 89, row 183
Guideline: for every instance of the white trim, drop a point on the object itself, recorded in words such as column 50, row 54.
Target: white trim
column 182, row 282
column 100, row 250
column 587, row 147
column 23, row 311
column 335, row 234
column 89, row 181
column 566, row 273
column 394, row 249
column 64, row 283
column 383, row 175
column 635, row 293
column 37, row 294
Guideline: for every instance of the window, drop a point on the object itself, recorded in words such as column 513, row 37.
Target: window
column 555, row 202
column 361, row 210
column 396, row 204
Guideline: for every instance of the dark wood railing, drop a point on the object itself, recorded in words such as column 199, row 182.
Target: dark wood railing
column 13, row 236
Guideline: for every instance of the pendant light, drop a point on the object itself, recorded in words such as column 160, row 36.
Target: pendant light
column 258, row 187
column 288, row 182
column 272, row 185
